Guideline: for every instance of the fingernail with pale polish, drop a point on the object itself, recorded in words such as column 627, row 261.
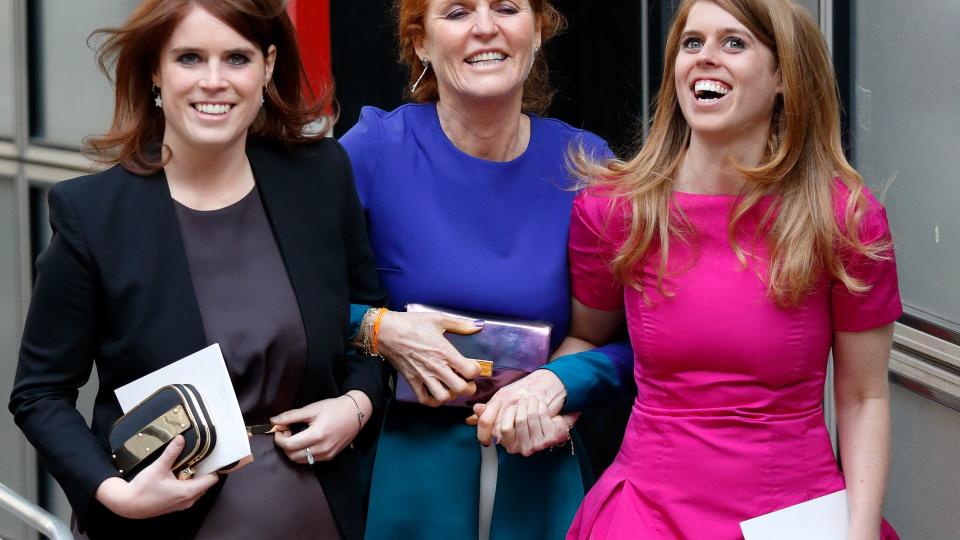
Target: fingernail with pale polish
column 479, row 323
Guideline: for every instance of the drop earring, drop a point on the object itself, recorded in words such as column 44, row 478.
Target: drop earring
column 426, row 67
column 157, row 100
column 533, row 62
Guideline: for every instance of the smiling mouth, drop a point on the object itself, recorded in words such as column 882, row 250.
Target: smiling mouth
column 710, row 91
column 486, row 59
column 213, row 108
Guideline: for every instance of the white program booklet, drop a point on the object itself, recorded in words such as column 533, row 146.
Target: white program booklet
column 207, row 372
column 823, row 518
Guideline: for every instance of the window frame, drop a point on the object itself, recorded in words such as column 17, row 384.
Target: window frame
column 926, row 356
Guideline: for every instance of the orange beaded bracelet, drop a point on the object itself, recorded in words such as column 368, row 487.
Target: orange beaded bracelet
column 375, row 339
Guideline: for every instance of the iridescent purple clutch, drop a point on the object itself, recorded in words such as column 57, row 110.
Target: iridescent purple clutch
column 515, row 347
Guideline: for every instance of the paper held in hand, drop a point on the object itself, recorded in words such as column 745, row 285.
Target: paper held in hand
column 206, row 370
column 823, row 518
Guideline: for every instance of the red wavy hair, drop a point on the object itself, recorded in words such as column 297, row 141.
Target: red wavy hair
column 537, row 93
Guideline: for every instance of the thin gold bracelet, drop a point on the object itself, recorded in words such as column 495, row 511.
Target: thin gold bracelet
column 359, row 413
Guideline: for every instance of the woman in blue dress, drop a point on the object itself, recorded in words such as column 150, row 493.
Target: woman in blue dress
column 468, row 206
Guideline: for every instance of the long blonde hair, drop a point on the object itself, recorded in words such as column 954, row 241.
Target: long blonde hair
column 803, row 155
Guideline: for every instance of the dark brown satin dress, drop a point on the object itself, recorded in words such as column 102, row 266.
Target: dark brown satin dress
column 248, row 306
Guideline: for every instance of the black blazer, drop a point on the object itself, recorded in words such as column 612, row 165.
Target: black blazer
column 114, row 288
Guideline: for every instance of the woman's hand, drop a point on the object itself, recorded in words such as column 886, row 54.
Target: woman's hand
column 527, row 427
column 155, row 491
column 541, row 384
column 332, row 425
column 414, row 344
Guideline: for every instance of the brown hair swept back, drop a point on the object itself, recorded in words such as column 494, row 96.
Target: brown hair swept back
column 133, row 51
column 537, row 93
column 803, row 155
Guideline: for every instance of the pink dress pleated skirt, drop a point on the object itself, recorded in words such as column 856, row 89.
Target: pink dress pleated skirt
column 683, row 477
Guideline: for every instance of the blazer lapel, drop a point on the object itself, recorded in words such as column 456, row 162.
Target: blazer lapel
column 288, row 194
column 176, row 306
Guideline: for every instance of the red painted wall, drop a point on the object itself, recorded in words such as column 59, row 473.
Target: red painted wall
column 312, row 20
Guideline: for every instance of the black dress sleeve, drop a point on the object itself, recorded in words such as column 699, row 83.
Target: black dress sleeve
column 56, row 357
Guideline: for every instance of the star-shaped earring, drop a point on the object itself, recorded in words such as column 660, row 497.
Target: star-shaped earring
column 158, row 101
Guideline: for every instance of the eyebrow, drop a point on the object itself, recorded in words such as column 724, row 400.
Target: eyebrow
column 240, row 50
column 726, row 30
column 446, row 4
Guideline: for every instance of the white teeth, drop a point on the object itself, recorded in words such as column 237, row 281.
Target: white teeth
column 486, row 57
column 716, row 87
column 210, row 108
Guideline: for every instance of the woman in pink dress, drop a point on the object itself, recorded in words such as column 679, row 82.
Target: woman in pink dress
column 741, row 247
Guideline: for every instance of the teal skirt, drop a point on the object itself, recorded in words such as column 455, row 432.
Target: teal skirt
column 426, row 482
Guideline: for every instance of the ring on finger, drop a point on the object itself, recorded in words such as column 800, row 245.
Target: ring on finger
column 309, row 454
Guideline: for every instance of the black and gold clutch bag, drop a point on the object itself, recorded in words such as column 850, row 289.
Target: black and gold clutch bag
column 139, row 437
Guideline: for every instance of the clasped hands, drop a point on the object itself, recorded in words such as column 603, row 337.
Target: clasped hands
column 524, row 416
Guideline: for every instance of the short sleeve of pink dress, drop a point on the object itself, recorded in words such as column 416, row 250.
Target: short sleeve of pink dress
column 880, row 305
column 729, row 384
column 593, row 242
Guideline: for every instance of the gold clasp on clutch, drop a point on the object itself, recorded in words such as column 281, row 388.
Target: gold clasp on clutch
column 486, row 368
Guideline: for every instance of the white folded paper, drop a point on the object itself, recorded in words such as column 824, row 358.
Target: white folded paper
column 823, row 518
column 207, row 372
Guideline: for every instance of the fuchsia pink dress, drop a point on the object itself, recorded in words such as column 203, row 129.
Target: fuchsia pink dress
column 728, row 422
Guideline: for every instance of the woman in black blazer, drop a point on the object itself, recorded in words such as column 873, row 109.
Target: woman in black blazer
column 221, row 221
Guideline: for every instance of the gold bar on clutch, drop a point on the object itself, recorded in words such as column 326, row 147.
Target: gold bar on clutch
column 486, row 368
column 149, row 439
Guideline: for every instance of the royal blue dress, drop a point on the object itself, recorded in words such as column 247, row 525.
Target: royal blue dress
column 452, row 230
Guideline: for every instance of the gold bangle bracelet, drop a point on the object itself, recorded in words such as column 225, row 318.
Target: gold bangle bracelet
column 366, row 330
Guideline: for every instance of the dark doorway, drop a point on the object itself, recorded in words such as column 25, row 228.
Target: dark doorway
column 364, row 59
column 597, row 69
